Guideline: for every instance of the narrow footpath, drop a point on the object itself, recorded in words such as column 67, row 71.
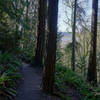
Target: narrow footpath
column 29, row 88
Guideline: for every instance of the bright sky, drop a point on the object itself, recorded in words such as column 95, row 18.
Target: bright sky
column 62, row 16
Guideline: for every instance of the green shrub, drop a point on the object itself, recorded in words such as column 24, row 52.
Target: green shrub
column 27, row 54
column 9, row 66
column 66, row 76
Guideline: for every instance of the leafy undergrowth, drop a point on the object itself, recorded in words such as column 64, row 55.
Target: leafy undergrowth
column 27, row 54
column 9, row 75
column 65, row 76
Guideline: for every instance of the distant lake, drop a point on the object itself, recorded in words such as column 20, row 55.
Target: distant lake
column 67, row 37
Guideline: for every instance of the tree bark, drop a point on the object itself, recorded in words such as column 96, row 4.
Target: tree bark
column 92, row 71
column 73, row 37
column 40, row 42
column 49, row 67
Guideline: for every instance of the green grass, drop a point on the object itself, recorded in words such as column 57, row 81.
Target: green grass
column 66, row 76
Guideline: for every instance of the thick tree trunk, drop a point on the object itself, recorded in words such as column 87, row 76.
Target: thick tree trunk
column 40, row 42
column 73, row 37
column 49, row 67
column 92, row 72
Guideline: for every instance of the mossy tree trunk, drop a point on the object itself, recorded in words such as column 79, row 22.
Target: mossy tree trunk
column 74, row 36
column 49, row 67
column 40, row 42
column 92, row 71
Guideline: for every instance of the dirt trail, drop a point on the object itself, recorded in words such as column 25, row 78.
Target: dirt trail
column 29, row 88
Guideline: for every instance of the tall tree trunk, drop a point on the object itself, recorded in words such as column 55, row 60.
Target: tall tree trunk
column 73, row 37
column 49, row 67
column 40, row 42
column 92, row 72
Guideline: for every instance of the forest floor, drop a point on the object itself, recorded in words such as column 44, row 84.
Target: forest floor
column 29, row 88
